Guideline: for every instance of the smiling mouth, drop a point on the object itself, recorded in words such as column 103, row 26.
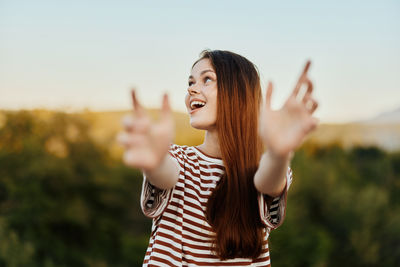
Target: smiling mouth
column 195, row 105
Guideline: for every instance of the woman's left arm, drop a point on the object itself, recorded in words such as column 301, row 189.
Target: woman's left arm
column 270, row 178
column 282, row 131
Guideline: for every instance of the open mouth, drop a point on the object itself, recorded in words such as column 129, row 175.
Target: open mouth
column 194, row 105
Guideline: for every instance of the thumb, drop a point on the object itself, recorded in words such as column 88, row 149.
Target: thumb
column 313, row 124
column 316, row 121
column 268, row 95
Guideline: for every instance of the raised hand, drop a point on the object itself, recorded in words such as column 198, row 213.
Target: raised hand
column 146, row 143
column 284, row 130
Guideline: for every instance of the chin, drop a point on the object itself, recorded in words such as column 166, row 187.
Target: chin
column 201, row 125
column 198, row 126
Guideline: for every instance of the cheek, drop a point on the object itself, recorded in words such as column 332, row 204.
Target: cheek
column 187, row 100
column 212, row 112
column 214, row 103
column 215, row 113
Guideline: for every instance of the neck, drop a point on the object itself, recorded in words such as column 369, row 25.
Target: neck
column 210, row 146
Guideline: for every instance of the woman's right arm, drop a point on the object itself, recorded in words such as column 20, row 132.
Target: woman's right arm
column 165, row 175
column 147, row 143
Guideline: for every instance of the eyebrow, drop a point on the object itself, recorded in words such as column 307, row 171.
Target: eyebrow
column 204, row 71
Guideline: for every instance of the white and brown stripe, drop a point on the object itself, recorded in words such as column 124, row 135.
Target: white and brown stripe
column 180, row 233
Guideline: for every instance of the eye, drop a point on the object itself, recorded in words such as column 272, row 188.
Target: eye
column 207, row 78
column 190, row 83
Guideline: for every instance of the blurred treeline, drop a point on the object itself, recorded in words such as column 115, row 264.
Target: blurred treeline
column 64, row 201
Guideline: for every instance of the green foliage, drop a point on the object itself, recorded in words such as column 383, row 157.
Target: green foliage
column 343, row 209
column 62, row 198
column 13, row 252
column 64, row 201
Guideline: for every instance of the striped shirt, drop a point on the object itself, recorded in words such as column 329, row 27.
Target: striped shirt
column 181, row 235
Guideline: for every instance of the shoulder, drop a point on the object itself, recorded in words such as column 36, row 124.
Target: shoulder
column 181, row 153
column 193, row 154
column 175, row 147
column 178, row 150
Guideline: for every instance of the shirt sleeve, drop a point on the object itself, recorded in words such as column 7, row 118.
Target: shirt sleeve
column 153, row 200
column 273, row 215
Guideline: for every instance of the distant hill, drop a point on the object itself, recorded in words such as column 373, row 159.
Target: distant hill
column 385, row 135
column 386, row 117
column 382, row 131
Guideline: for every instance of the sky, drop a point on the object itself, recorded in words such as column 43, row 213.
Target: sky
column 73, row 55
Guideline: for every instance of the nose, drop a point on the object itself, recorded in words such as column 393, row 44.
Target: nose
column 192, row 90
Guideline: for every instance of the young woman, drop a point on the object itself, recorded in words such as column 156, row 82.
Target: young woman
column 216, row 203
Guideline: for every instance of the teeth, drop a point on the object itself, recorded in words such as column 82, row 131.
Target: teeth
column 194, row 103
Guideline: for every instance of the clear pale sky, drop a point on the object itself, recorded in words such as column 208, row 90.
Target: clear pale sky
column 76, row 54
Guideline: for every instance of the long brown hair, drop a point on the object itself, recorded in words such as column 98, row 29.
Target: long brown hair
column 232, row 209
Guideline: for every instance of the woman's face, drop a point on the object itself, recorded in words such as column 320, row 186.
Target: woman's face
column 201, row 99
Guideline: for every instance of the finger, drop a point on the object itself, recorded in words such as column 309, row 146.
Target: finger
column 123, row 140
column 120, row 138
column 309, row 89
column 307, row 94
column 132, row 140
column 270, row 88
column 131, row 158
column 314, row 106
column 137, row 108
column 165, row 108
column 313, row 124
column 139, row 125
column 305, row 90
column 137, row 140
column 127, row 123
column 136, row 159
column 315, row 121
column 310, row 104
column 302, row 78
column 306, row 67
